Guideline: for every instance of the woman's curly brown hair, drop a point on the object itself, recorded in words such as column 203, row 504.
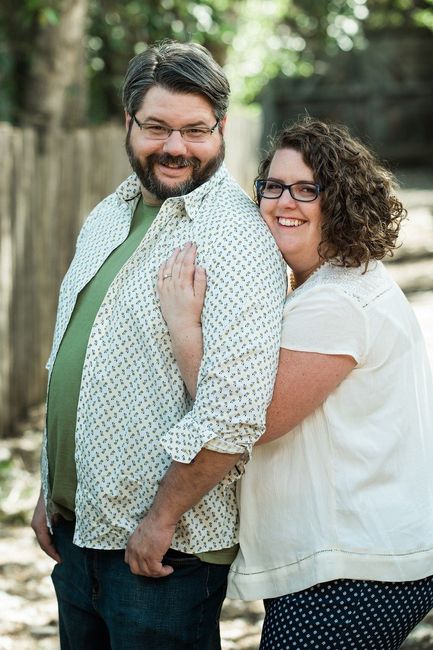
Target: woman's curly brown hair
column 361, row 214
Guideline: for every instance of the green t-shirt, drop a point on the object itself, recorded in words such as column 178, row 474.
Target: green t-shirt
column 64, row 388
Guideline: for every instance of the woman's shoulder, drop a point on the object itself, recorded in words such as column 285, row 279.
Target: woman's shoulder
column 360, row 285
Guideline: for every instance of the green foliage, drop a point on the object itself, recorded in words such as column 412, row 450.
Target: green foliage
column 18, row 23
column 397, row 13
column 117, row 29
column 423, row 18
column 294, row 37
column 120, row 29
column 289, row 38
column 255, row 39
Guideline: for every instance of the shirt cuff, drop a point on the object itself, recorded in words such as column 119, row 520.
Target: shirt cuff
column 185, row 440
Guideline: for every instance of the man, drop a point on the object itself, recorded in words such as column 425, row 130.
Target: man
column 128, row 462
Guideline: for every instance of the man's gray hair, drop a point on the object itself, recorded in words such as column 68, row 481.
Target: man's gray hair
column 178, row 67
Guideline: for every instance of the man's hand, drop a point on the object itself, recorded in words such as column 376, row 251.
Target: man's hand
column 147, row 546
column 180, row 489
column 43, row 535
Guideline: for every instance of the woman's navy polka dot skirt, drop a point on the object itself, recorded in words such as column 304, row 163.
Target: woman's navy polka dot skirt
column 346, row 614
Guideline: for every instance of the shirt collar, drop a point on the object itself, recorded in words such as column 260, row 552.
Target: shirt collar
column 130, row 189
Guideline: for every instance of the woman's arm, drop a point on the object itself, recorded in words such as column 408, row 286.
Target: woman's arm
column 304, row 380
column 181, row 289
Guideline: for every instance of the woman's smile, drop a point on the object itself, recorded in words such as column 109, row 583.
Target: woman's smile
column 289, row 222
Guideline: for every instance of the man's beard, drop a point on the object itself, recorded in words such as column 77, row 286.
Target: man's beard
column 150, row 182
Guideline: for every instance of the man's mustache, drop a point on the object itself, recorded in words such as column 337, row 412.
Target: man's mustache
column 178, row 161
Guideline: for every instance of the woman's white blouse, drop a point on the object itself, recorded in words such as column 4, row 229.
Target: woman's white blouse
column 349, row 492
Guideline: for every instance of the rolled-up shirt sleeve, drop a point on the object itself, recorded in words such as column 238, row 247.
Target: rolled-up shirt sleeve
column 241, row 328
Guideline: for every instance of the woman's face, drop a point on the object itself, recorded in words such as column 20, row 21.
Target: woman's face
column 295, row 225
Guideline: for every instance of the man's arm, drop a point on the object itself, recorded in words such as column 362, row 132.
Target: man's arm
column 181, row 288
column 180, row 489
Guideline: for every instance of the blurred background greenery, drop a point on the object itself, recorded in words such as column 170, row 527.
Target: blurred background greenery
column 62, row 61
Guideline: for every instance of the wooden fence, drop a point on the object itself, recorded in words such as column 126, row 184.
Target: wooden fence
column 45, row 193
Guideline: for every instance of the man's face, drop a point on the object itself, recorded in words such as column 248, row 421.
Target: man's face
column 173, row 167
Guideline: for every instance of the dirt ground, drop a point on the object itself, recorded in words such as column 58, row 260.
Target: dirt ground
column 28, row 614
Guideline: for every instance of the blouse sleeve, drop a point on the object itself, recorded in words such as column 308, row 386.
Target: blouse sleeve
column 325, row 320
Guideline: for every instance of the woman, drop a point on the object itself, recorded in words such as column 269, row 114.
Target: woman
column 336, row 507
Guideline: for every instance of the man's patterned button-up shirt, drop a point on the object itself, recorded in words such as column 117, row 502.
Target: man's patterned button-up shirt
column 134, row 415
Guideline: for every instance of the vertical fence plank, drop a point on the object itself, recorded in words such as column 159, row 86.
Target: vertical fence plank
column 6, row 279
column 45, row 225
column 22, row 322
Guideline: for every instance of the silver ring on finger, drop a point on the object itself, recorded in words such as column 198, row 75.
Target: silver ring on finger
column 168, row 275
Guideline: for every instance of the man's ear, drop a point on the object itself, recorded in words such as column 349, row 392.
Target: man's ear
column 222, row 124
column 128, row 119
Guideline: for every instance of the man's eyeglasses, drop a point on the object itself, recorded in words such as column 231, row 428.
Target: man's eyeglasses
column 269, row 189
column 154, row 131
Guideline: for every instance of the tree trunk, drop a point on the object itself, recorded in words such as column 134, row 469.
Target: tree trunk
column 56, row 70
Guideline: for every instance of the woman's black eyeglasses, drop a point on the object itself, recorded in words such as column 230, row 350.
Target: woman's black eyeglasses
column 300, row 191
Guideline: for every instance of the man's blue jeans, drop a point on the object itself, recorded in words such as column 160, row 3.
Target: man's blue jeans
column 103, row 606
